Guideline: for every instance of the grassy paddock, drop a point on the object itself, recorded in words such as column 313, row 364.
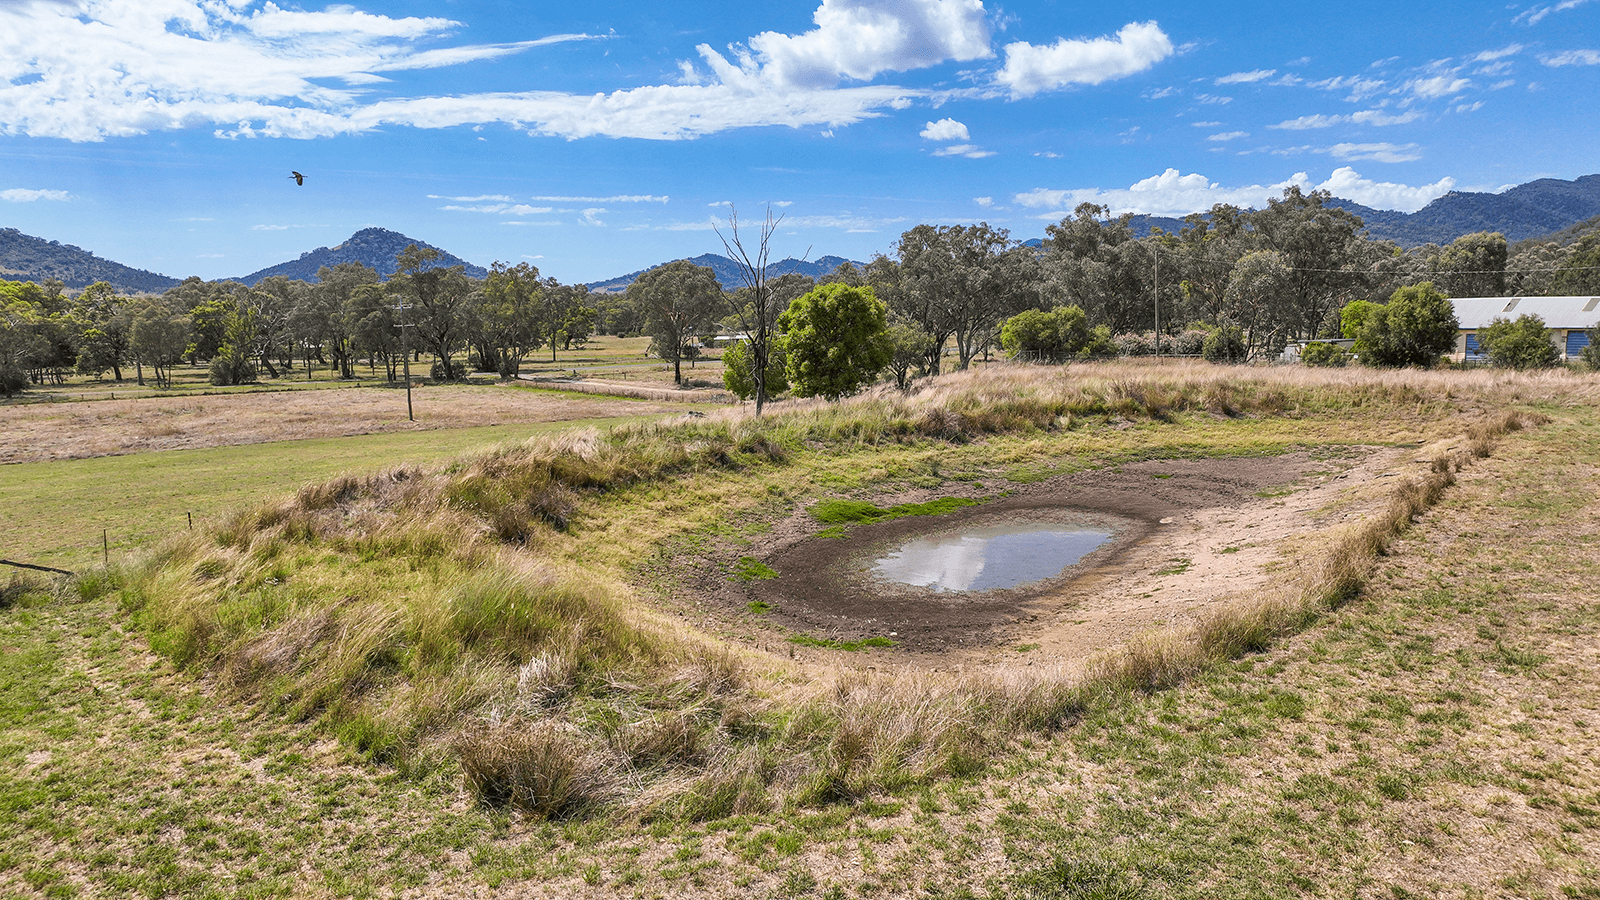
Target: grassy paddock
column 370, row 597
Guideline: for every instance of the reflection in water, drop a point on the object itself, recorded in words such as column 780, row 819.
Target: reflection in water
column 983, row 559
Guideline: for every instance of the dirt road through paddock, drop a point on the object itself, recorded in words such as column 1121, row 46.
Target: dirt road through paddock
column 1187, row 534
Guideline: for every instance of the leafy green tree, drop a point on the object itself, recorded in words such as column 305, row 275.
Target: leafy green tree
column 435, row 296
column 1414, row 328
column 961, row 281
column 509, row 317
column 330, row 298
column 1474, row 265
column 102, row 330
column 376, row 333
column 1325, row 258
column 911, row 348
column 679, row 300
column 1590, row 354
column 1259, row 300
column 738, row 378
column 835, row 340
column 569, row 315
column 1579, row 275
column 159, row 335
column 1520, row 344
column 234, row 363
column 23, row 344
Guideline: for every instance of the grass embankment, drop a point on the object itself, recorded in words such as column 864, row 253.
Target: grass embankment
column 413, row 612
column 421, row 613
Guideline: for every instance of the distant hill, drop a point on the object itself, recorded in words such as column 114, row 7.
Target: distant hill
column 374, row 247
column 727, row 271
column 24, row 257
column 1529, row 210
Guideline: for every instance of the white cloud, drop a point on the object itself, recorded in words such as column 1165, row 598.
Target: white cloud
column 1174, row 194
column 592, row 217
column 618, row 198
column 1030, row 69
column 28, row 195
column 1572, row 58
column 98, row 69
column 1382, row 152
column 502, row 209
column 1204, row 124
column 967, row 150
column 1247, row 77
column 1212, row 99
column 1437, row 86
column 859, row 39
column 498, row 198
column 984, row 202
column 1502, row 85
column 1532, row 16
column 1375, row 117
column 1160, row 94
column 1492, row 55
column 946, row 130
column 1228, row 136
column 1359, row 88
column 1047, row 154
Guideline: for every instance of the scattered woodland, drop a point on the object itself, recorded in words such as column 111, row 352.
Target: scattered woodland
column 1233, row 284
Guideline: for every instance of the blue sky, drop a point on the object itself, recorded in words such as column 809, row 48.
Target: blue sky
column 596, row 139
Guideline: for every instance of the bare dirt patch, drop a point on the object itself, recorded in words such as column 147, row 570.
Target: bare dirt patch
column 40, row 432
column 1187, row 533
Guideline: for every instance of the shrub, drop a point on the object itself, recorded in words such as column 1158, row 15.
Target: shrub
column 1226, row 345
column 1322, row 353
column 1522, row 344
column 1416, row 326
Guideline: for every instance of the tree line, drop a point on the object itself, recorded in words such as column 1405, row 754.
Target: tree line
column 1229, row 284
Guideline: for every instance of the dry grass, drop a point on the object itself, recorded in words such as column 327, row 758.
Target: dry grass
column 408, row 613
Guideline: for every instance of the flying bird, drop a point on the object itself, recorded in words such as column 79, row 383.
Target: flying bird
column 298, row 178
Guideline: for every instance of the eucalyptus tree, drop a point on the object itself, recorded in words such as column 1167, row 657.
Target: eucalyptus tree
column 1093, row 261
column 961, row 281
column 678, row 300
column 1203, row 255
column 1322, row 254
column 1474, row 265
column 834, row 340
column 158, row 335
column 569, row 316
column 1259, row 299
column 508, row 316
column 375, row 329
column 330, row 298
column 434, row 297
column 101, row 330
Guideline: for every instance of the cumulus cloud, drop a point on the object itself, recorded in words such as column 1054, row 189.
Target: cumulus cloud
column 1030, row 69
column 1174, row 194
column 28, row 195
column 945, row 130
column 858, row 39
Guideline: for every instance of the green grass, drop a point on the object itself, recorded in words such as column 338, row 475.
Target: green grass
column 860, row 512
column 806, row 640
column 139, row 499
column 748, row 569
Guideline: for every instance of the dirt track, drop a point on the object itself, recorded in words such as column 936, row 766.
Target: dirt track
column 1187, row 533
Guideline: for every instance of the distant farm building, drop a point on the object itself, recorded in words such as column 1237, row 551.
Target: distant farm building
column 1566, row 319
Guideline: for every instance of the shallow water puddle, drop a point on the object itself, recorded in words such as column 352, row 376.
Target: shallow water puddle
column 989, row 558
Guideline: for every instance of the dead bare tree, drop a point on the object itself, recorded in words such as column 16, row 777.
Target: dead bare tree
column 758, row 318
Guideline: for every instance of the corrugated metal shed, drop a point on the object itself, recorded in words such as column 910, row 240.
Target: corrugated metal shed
column 1557, row 312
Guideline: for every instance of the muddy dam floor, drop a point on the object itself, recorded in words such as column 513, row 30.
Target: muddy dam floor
column 1186, row 534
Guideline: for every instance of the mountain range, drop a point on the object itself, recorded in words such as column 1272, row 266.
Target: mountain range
column 1541, row 208
column 727, row 271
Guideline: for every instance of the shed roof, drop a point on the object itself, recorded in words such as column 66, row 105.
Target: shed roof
column 1557, row 312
